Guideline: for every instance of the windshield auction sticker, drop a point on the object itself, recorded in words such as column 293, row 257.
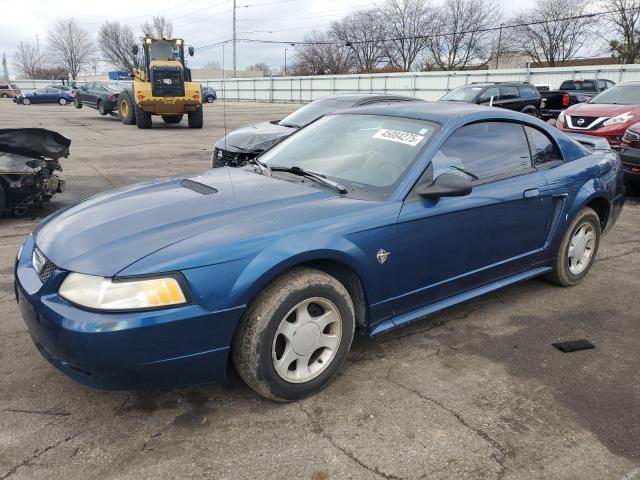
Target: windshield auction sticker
column 399, row 136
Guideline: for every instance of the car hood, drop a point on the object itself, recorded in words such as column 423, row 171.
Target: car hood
column 254, row 138
column 601, row 110
column 106, row 233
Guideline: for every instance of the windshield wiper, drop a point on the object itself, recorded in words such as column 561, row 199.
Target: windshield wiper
column 313, row 176
column 475, row 177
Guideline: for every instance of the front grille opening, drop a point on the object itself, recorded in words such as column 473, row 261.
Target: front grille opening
column 223, row 158
column 167, row 82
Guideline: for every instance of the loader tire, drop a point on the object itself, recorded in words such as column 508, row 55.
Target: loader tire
column 126, row 109
column 196, row 118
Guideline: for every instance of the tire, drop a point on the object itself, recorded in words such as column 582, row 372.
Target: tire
column 76, row 103
column 26, row 101
column 3, row 199
column 143, row 119
column 210, row 99
column 126, row 109
column 62, row 101
column 633, row 187
column 562, row 273
column 172, row 118
column 259, row 339
column 101, row 109
column 196, row 118
column 533, row 111
column 4, row 95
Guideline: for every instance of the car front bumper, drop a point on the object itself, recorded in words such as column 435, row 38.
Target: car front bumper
column 613, row 133
column 124, row 351
column 630, row 163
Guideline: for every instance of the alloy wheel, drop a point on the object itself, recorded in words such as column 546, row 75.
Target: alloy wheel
column 581, row 248
column 307, row 340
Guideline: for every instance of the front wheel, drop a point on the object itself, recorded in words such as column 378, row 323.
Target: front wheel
column 295, row 336
column 4, row 95
column 210, row 99
column 101, row 109
column 26, row 101
column 126, row 109
column 196, row 118
column 76, row 103
column 578, row 249
column 62, row 101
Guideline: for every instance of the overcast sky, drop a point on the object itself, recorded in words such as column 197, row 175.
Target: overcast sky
column 199, row 22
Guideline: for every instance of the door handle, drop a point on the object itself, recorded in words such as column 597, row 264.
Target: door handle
column 531, row 193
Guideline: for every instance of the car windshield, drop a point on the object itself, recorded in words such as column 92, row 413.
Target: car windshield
column 619, row 95
column 467, row 93
column 312, row 111
column 362, row 152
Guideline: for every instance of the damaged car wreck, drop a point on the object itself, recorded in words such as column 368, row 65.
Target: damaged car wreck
column 28, row 168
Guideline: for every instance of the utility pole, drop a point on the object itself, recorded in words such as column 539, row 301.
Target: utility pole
column 498, row 50
column 285, row 62
column 235, row 73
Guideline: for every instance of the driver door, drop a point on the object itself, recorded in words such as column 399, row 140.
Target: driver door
column 447, row 246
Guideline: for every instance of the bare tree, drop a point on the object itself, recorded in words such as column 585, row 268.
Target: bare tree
column 320, row 55
column 623, row 19
column 70, row 46
column 262, row 68
column 548, row 34
column 364, row 33
column 458, row 39
column 116, row 41
column 159, row 27
column 407, row 24
column 212, row 65
column 27, row 59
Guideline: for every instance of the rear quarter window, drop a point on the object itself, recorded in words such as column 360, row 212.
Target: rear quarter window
column 543, row 151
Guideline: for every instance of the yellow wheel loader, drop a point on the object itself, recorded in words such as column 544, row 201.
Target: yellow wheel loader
column 162, row 86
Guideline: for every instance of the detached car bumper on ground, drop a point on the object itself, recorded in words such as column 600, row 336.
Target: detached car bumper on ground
column 362, row 219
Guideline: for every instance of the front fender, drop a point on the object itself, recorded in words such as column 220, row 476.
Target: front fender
column 294, row 250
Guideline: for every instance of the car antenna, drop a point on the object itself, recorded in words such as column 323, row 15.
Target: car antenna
column 224, row 101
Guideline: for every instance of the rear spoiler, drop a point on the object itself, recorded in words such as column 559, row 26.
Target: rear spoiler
column 590, row 141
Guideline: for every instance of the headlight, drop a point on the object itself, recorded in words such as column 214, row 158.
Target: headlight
column 106, row 294
column 561, row 118
column 625, row 117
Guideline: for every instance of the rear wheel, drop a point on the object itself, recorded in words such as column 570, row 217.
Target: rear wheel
column 533, row 111
column 210, row 99
column 26, row 101
column 101, row 109
column 172, row 118
column 295, row 336
column 4, row 95
column 126, row 109
column 143, row 119
column 196, row 118
column 578, row 249
column 76, row 103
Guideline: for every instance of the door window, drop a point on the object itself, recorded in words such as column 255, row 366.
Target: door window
column 543, row 151
column 487, row 94
column 484, row 151
column 508, row 93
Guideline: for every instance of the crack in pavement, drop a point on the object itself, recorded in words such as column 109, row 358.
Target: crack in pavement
column 317, row 428
column 618, row 255
column 37, row 412
column 37, row 454
column 478, row 431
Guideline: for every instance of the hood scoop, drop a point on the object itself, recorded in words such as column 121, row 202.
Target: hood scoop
column 198, row 187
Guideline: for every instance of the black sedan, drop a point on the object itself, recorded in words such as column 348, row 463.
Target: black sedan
column 103, row 96
column 208, row 94
column 245, row 143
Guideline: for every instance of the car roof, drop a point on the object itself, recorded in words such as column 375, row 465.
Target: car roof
column 440, row 112
column 357, row 97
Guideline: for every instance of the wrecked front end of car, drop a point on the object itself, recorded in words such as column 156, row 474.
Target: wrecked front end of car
column 29, row 168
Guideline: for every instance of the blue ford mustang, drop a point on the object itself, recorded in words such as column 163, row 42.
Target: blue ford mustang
column 372, row 217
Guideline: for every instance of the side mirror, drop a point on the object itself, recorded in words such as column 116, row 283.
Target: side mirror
column 446, row 185
column 191, row 51
column 134, row 49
